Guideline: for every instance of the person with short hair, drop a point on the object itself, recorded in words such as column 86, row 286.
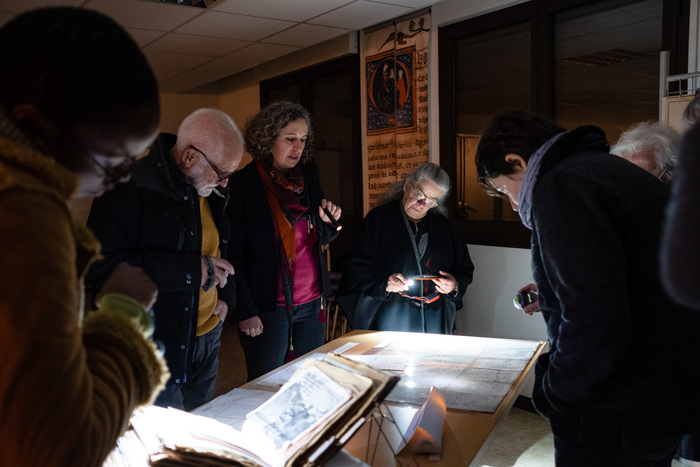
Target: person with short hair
column 408, row 268
column 619, row 382
column 652, row 146
column 278, row 209
column 78, row 103
column 170, row 220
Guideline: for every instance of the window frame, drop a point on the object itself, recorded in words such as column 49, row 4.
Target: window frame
column 540, row 14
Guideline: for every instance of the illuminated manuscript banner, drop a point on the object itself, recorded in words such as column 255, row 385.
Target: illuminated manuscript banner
column 396, row 79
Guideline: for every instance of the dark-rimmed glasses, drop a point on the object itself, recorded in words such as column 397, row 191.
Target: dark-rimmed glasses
column 222, row 176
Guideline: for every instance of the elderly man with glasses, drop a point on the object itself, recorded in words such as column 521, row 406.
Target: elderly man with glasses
column 169, row 219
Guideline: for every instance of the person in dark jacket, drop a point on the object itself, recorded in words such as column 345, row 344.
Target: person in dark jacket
column 278, row 210
column 680, row 246
column 619, row 383
column 170, row 220
column 405, row 237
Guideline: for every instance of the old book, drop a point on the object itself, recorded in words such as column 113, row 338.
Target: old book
column 305, row 423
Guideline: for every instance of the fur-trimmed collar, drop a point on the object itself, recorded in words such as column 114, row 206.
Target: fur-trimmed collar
column 22, row 165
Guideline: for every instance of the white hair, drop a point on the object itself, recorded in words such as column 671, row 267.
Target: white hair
column 660, row 139
column 427, row 171
column 207, row 127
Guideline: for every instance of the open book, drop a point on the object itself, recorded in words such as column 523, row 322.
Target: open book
column 304, row 424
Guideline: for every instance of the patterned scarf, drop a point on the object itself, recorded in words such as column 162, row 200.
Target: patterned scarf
column 288, row 203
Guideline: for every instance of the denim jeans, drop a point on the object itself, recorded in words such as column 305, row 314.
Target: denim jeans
column 199, row 388
column 267, row 351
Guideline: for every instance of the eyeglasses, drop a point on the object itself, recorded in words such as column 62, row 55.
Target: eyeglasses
column 420, row 196
column 222, row 176
column 113, row 175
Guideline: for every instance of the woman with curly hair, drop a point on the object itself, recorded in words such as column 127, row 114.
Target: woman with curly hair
column 279, row 219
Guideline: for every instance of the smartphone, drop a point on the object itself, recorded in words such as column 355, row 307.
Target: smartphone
column 524, row 298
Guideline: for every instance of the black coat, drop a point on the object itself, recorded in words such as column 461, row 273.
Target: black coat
column 153, row 221
column 617, row 342
column 383, row 247
column 254, row 251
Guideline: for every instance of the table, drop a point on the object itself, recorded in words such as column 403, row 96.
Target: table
column 465, row 432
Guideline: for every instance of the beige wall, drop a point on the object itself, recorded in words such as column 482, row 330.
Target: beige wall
column 242, row 104
column 175, row 107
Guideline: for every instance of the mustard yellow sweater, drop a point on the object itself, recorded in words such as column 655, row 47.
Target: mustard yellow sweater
column 67, row 385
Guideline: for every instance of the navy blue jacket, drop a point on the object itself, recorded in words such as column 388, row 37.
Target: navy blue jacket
column 617, row 341
column 153, row 221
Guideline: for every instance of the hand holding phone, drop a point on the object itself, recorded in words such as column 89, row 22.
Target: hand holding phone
column 527, row 299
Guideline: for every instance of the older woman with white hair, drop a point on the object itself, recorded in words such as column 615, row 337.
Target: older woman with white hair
column 409, row 267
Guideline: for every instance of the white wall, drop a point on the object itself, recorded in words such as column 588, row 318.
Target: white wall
column 489, row 312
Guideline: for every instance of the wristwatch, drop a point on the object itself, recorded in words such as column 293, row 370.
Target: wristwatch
column 210, row 273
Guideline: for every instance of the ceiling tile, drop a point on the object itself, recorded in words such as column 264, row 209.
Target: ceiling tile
column 174, row 61
column 26, row 5
column 281, row 9
column 230, row 26
column 145, row 15
column 360, row 14
column 190, row 80
column 195, row 45
column 230, row 36
column 165, row 73
column 265, row 52
column 230, row 64
column 144, row 37
column 305, row 35
column 411, row 3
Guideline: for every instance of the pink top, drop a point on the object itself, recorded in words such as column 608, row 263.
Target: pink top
column 306, row 274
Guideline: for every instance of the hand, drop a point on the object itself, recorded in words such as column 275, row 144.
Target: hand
column 333, row 208
column 252, row 326
column 446, row 283
column 222, row 269
column 533, row 307
column 133, row 282
column 397, row 283
column 221, row 309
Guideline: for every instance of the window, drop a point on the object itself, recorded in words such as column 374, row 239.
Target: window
column 579, row 62
column 330, row 91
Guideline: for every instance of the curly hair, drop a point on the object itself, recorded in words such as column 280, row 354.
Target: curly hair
column 514, row 131
column 262, row 130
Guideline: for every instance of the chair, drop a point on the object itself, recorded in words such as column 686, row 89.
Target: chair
column 336, row 323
